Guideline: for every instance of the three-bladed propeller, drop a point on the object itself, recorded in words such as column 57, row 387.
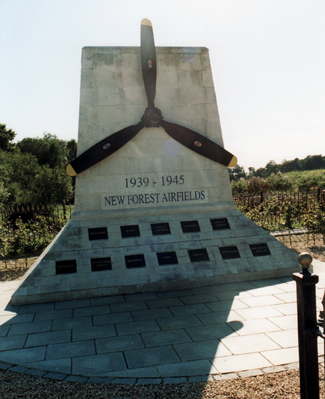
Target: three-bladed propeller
column 152, row 118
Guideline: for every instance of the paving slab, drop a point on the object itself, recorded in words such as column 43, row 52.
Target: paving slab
column 249, row 344
column 233, row 304
column 126, row 307
column 137, row 327
column 285, row 322
column 262, row 300
column 282, row 356
column 19, row 356
column 151, row 357
column 70, row 349
column 28, row 328
column 163, row 303
column 256, row 326
column 179, row 322
column 119, row 344
column 91, row 311
column 15, row 342
column 54, row 337
column 112, row 318
column 286, row 339
column 287, row 308
column 235, row 329
column 203, row 333
column 259, row 312
column 53, row 315
column 219, row 317
column 204, row 298
column 17, row 318
column 60, row 365
column 201, row 350
column 189, row 309
column 98, row 365
column 37, row 308
column 145, row 372
column 90, row 332
column 4, row 330
column 197, row 367
column 235, row 363
column 151, row 314
column 72, row 304
column 163, row 338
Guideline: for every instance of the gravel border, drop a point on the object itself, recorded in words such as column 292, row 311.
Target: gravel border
column 4, row 366
column 267, row 385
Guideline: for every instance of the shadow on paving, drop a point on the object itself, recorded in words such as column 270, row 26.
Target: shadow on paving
column 147, row 335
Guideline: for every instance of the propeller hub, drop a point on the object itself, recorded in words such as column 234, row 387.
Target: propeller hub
column 152, row 117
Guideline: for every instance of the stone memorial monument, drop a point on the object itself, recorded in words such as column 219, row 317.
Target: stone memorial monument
column 153, row 204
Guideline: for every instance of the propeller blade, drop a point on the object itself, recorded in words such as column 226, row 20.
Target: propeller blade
column 148, row 61
column 199, row 144
column 103, row 149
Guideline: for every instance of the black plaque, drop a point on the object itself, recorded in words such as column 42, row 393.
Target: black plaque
column 229, row 252
column 167, row 258
column 66, row 266
column 99, row 264
column 198, row 255
column 134, row 261
column 160, row 228
column 260, row 249
column 190, row 226
column 130, row 231
column 98, row 233
column 220, row 224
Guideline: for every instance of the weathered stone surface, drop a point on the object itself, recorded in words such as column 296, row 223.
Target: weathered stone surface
column 151, row 180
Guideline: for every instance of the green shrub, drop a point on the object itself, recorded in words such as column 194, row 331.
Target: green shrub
column 30, row 237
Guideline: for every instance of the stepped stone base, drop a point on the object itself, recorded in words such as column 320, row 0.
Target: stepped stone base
column 205, row 246
column 154, row 215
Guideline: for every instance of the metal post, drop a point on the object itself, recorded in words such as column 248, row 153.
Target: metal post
column 307, row 329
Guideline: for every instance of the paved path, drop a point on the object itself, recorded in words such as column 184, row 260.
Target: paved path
column 186, row 335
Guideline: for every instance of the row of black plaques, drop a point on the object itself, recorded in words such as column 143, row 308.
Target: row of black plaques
column 164, row 258
column 192, row 226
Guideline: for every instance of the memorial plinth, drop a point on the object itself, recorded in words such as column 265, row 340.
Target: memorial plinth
column 154, row 215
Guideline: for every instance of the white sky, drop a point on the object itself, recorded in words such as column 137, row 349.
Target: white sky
column 267, row 57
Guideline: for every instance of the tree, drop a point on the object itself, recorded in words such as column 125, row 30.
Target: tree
column 257, row 184
column 280, row 182
column 18, row 171
column 28, row 183
column 312, row 162
column 290, row 166
column 6, row 138
column 251, row 171
column 271, row 167
column 51, row 186
column 236, row 173
column 49, row 150
column 71, row 150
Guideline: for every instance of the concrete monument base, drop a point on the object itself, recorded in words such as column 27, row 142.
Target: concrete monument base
column 154, row 215
column 196, row 247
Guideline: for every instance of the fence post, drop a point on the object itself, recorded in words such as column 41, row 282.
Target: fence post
column 64, row 211
column 307, row 329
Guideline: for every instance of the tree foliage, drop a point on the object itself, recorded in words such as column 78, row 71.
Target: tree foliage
column 285, row 176
column 32, row 172
column 311, row 162
column 6, row 138
column 49, row 150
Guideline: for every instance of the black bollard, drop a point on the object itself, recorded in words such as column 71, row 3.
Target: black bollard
column 307, row 329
